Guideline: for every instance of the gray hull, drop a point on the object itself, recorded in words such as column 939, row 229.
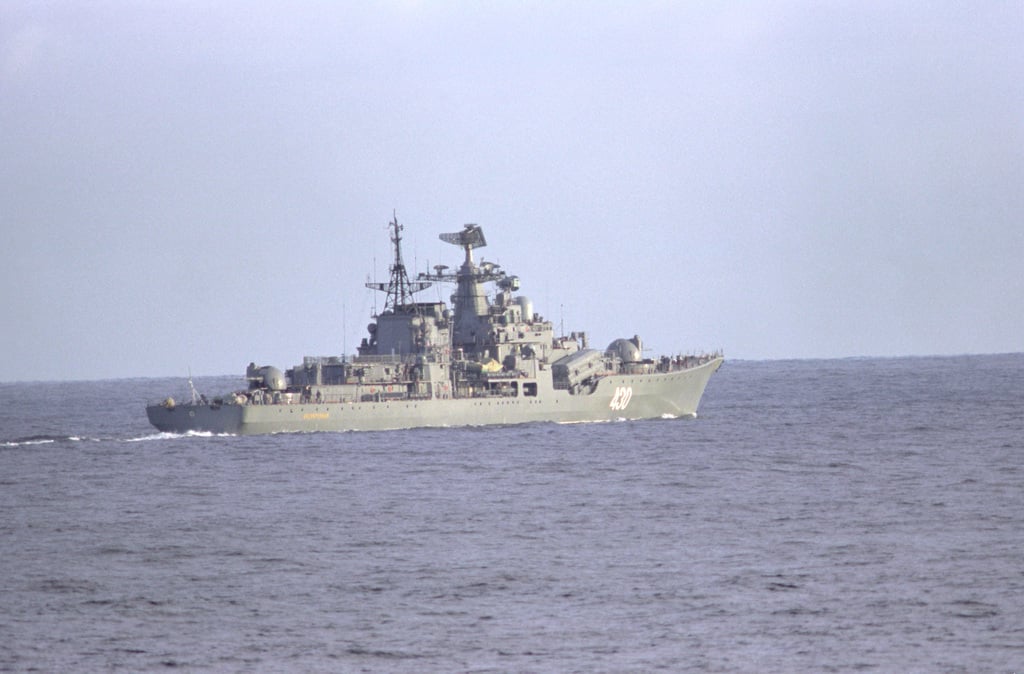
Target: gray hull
column 491, row 359
column 642, row 396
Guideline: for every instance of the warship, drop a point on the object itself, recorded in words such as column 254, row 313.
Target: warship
column 489, row 359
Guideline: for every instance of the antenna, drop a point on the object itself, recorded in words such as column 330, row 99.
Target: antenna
column 196, row 397
column 471, row 236
column 399, row 288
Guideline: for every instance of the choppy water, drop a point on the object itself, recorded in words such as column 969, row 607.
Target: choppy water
column 817, row 516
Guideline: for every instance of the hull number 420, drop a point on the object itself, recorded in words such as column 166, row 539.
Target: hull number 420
column 621, row 399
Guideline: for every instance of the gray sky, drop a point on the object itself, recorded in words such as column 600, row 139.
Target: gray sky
column 185, row 186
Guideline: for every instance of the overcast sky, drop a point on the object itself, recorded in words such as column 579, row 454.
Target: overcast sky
column 186, row 186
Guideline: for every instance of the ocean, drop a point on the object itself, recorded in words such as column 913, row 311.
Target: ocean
column 818, row 515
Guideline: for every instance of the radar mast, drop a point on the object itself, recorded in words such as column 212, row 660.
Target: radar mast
column 399, row 288
column 471, row 306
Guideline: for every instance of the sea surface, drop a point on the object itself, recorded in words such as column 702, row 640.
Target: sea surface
column 817, row 516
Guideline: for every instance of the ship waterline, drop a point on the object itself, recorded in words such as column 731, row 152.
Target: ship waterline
column 491, row 360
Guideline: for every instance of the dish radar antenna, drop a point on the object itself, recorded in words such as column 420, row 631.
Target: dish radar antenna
column 471, row 236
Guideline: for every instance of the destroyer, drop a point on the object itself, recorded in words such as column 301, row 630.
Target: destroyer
column 489, row 360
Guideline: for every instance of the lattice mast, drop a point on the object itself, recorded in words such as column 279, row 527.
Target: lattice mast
column 399, row 288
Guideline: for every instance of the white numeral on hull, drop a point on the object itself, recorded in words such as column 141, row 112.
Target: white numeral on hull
column 622, row 396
